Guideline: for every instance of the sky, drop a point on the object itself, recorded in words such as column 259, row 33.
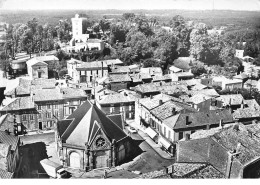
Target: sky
column 250, row 5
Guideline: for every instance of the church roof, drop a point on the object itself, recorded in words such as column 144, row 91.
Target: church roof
column 85, row 122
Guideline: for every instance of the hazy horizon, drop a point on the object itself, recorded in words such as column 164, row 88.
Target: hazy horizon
column 236, row 5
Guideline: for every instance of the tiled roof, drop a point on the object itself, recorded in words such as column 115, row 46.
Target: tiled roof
column 154, row 102
column 199, row 119
column 192, row 82
column 120, row 69
column 23, row 88
column 251, row 103
column 249, row 145
column 208, row 92
column 161, row 78
column 166, row 109
column 233, row 99
column 96, row 64
column 199, row 87
column 208, row 172
column 151, row 70
column 20, row 103
column 183, row 74
column 113, row 61
column 198, row 98
column 43, row 84
column 118, row 78
column 114, row 98
column 175, row 69
column 47, row 95
column 250, row 112
column 72, row 92
column 5, row 174
column 4, row 150
column 9, row 139
column 34, row 61
column 7, row 122
column 90, row 119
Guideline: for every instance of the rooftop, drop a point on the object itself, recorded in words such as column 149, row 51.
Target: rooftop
column 5, row 174
column 9, row 139
column 19, row 103
column 115, row 98
column 96, row 64
column 231, row 99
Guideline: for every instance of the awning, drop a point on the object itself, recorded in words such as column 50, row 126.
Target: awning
column 165, row 143
column 151, row 133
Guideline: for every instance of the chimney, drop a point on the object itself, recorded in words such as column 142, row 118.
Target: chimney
column 187, row 137
column 160, row 102
column 242, row 104
column 173, row 111
column 188, row 120
column 221, row 123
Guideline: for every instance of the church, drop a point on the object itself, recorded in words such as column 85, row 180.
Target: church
column 88, row 139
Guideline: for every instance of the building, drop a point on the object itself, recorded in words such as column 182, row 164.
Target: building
column 72, row 64
column 117, row 103
column 78, row 33
column 239, row 53
column 89, row 71
column 56, row 104
column 116, row 82
column 226, row 83
column 9, row 154
column 231, row 101
column 152, row 71
column 37, row 69
column 229, row 150
column 182, row 76
column 88, row 139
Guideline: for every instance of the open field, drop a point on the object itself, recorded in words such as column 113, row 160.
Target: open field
column 214, row 18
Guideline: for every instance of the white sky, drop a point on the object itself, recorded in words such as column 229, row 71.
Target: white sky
column 131, row 4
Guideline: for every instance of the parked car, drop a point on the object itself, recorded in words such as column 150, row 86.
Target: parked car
column 132, row 130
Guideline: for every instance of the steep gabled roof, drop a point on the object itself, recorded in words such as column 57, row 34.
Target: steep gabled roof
column 9, row 139
column 86, row 121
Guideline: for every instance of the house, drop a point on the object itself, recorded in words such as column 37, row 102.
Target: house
column 232, row 101
column 72, row 64
column 152, row 71
column 207, row 92
column 247, row 115
column 181, row 76
column 140, row 78
column 26, row 115
column 170, row 88
column 116, row 82
column 21, row 89
column 117, row 104
column 9, row 154
column 119, row 69
column 113, row 62
column 88, row 139
column 55, row 104
column 226, row 83
column 174, row 69
column 239, row 53
column 37, row 69
column 164, row 78
column 229, row 150
column 203, row 102
column 89, row 71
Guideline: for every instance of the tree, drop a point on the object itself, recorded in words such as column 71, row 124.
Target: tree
column 104, row 25
column 128, row 16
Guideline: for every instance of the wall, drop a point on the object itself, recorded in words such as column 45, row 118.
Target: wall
column 35, row 69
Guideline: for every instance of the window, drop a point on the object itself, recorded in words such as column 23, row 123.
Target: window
column 91, row 72
column 180, row 135
column 164, row 131
column 121, row 108
column 40, row 116
column 97, row 72
column 130, row 107
column 48, row 115
column 39, row 107
column 56, row 113
column 48, row 106
column 31, row 116
column 49, row 124
column 56, row 106
column 112, row 109
column 169, row 134
column 24, row 117
column 71, row 110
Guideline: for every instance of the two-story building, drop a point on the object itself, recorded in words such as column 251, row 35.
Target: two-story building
column 117, row 103
column 90, row 71
column 72, row 64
